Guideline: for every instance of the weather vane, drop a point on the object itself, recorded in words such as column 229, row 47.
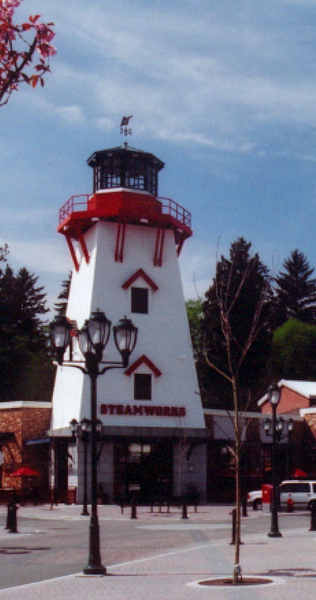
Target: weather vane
column 124, row 129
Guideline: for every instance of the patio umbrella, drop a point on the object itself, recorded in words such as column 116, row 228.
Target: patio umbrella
column 299, row 473
column 25, row 472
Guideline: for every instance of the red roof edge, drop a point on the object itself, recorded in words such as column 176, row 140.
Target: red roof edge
column 137, row 274
column 143, row 359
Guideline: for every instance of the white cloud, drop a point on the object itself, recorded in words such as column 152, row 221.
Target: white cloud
column 29, row 216
column 72, row 114
column 39, row 256
column 200, row 72
column 197, row 266
column 106, row 124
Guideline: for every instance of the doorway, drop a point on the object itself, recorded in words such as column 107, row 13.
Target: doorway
column 143, row 469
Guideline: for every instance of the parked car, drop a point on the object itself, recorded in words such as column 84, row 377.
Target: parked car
column 254, row 499
column 302, row 493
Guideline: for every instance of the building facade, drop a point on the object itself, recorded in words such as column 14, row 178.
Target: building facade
column 125, row 241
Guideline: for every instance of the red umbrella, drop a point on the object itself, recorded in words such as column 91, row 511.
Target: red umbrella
column 25, row 472
column 299, row 473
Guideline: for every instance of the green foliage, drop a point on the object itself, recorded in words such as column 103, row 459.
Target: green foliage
column 194, row 312
column 25, row 365
column 240, row 297
column 61, row 307
column 4, row 251
column 294, row 350
column 296, row 290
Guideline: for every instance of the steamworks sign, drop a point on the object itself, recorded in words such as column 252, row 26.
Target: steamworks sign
column 143, row 411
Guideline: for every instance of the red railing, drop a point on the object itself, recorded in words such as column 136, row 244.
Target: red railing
column 169, row 207
column 72, row 205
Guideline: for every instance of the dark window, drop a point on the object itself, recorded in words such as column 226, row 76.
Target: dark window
column 301, row 487
column 139, row 300
column 312, row 400
column 142, row 386
column 294, row 488
column 287, row 488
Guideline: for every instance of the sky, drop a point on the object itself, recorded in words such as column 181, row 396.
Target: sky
column 224, row 93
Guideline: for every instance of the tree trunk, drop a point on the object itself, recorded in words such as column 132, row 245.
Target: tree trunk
column 237, row 568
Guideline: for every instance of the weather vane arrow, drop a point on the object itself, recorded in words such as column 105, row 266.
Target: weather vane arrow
column 124, row 129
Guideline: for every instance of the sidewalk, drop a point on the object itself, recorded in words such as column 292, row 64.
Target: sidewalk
column 113, row 512
column 290, row 561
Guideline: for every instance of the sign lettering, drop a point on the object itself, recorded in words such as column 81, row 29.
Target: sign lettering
column 142, row 411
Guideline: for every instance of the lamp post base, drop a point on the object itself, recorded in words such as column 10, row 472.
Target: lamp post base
column 94, row 566
column 274, row 534
column 94, row 570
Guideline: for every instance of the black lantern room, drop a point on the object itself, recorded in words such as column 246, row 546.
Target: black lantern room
column 125, row 167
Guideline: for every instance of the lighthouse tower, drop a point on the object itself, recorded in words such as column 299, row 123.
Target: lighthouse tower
column 125, row 242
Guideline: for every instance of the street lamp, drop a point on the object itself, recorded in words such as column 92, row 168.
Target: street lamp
column 274, row 399
column 93, row 338
column 82, row 431
column 284, row 429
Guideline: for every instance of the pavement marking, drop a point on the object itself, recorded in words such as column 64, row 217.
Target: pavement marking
column 171, row 553
column 33, row 583
column 130, row 562
column 185, row 526
column 11, row 536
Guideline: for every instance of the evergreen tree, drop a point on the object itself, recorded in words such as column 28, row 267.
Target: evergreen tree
column 194, row 313
column 61, row 307
column 295, row 292
column 240, row 296
column 23, row 341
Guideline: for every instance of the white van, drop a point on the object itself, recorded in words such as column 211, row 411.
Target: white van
column 303, row 493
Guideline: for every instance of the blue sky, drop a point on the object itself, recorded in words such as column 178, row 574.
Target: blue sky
column 223, row 92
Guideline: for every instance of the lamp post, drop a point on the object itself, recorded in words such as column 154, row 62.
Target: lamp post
column 274, row 399
column 82, row 431
column 284, row 428
column 93, row 338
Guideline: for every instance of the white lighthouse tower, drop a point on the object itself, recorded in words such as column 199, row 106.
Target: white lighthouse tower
column 124, row 242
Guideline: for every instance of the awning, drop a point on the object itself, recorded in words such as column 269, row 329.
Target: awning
column 118, row 432
column 46, row 440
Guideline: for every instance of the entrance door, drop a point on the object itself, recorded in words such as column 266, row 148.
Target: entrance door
column 144, row 469
column 62, row 471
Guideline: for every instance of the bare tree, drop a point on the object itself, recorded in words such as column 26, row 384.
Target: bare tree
column 228, row 291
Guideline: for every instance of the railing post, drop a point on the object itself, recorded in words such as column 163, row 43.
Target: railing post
column 313, row 516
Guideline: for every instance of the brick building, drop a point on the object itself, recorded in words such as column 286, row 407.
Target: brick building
column 20, row 423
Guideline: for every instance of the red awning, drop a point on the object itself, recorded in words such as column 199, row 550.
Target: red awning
column 25, row 472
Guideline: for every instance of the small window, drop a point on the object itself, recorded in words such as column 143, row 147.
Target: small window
column 139, row 300
column 142, row 386
column 312, row 401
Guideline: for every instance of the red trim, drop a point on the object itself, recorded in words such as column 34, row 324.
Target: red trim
column 180, row 245
column 137, row 274
column 143, row 359
column 72, row 252
column 160, row 240
column 83, row 244
column 120, row 239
